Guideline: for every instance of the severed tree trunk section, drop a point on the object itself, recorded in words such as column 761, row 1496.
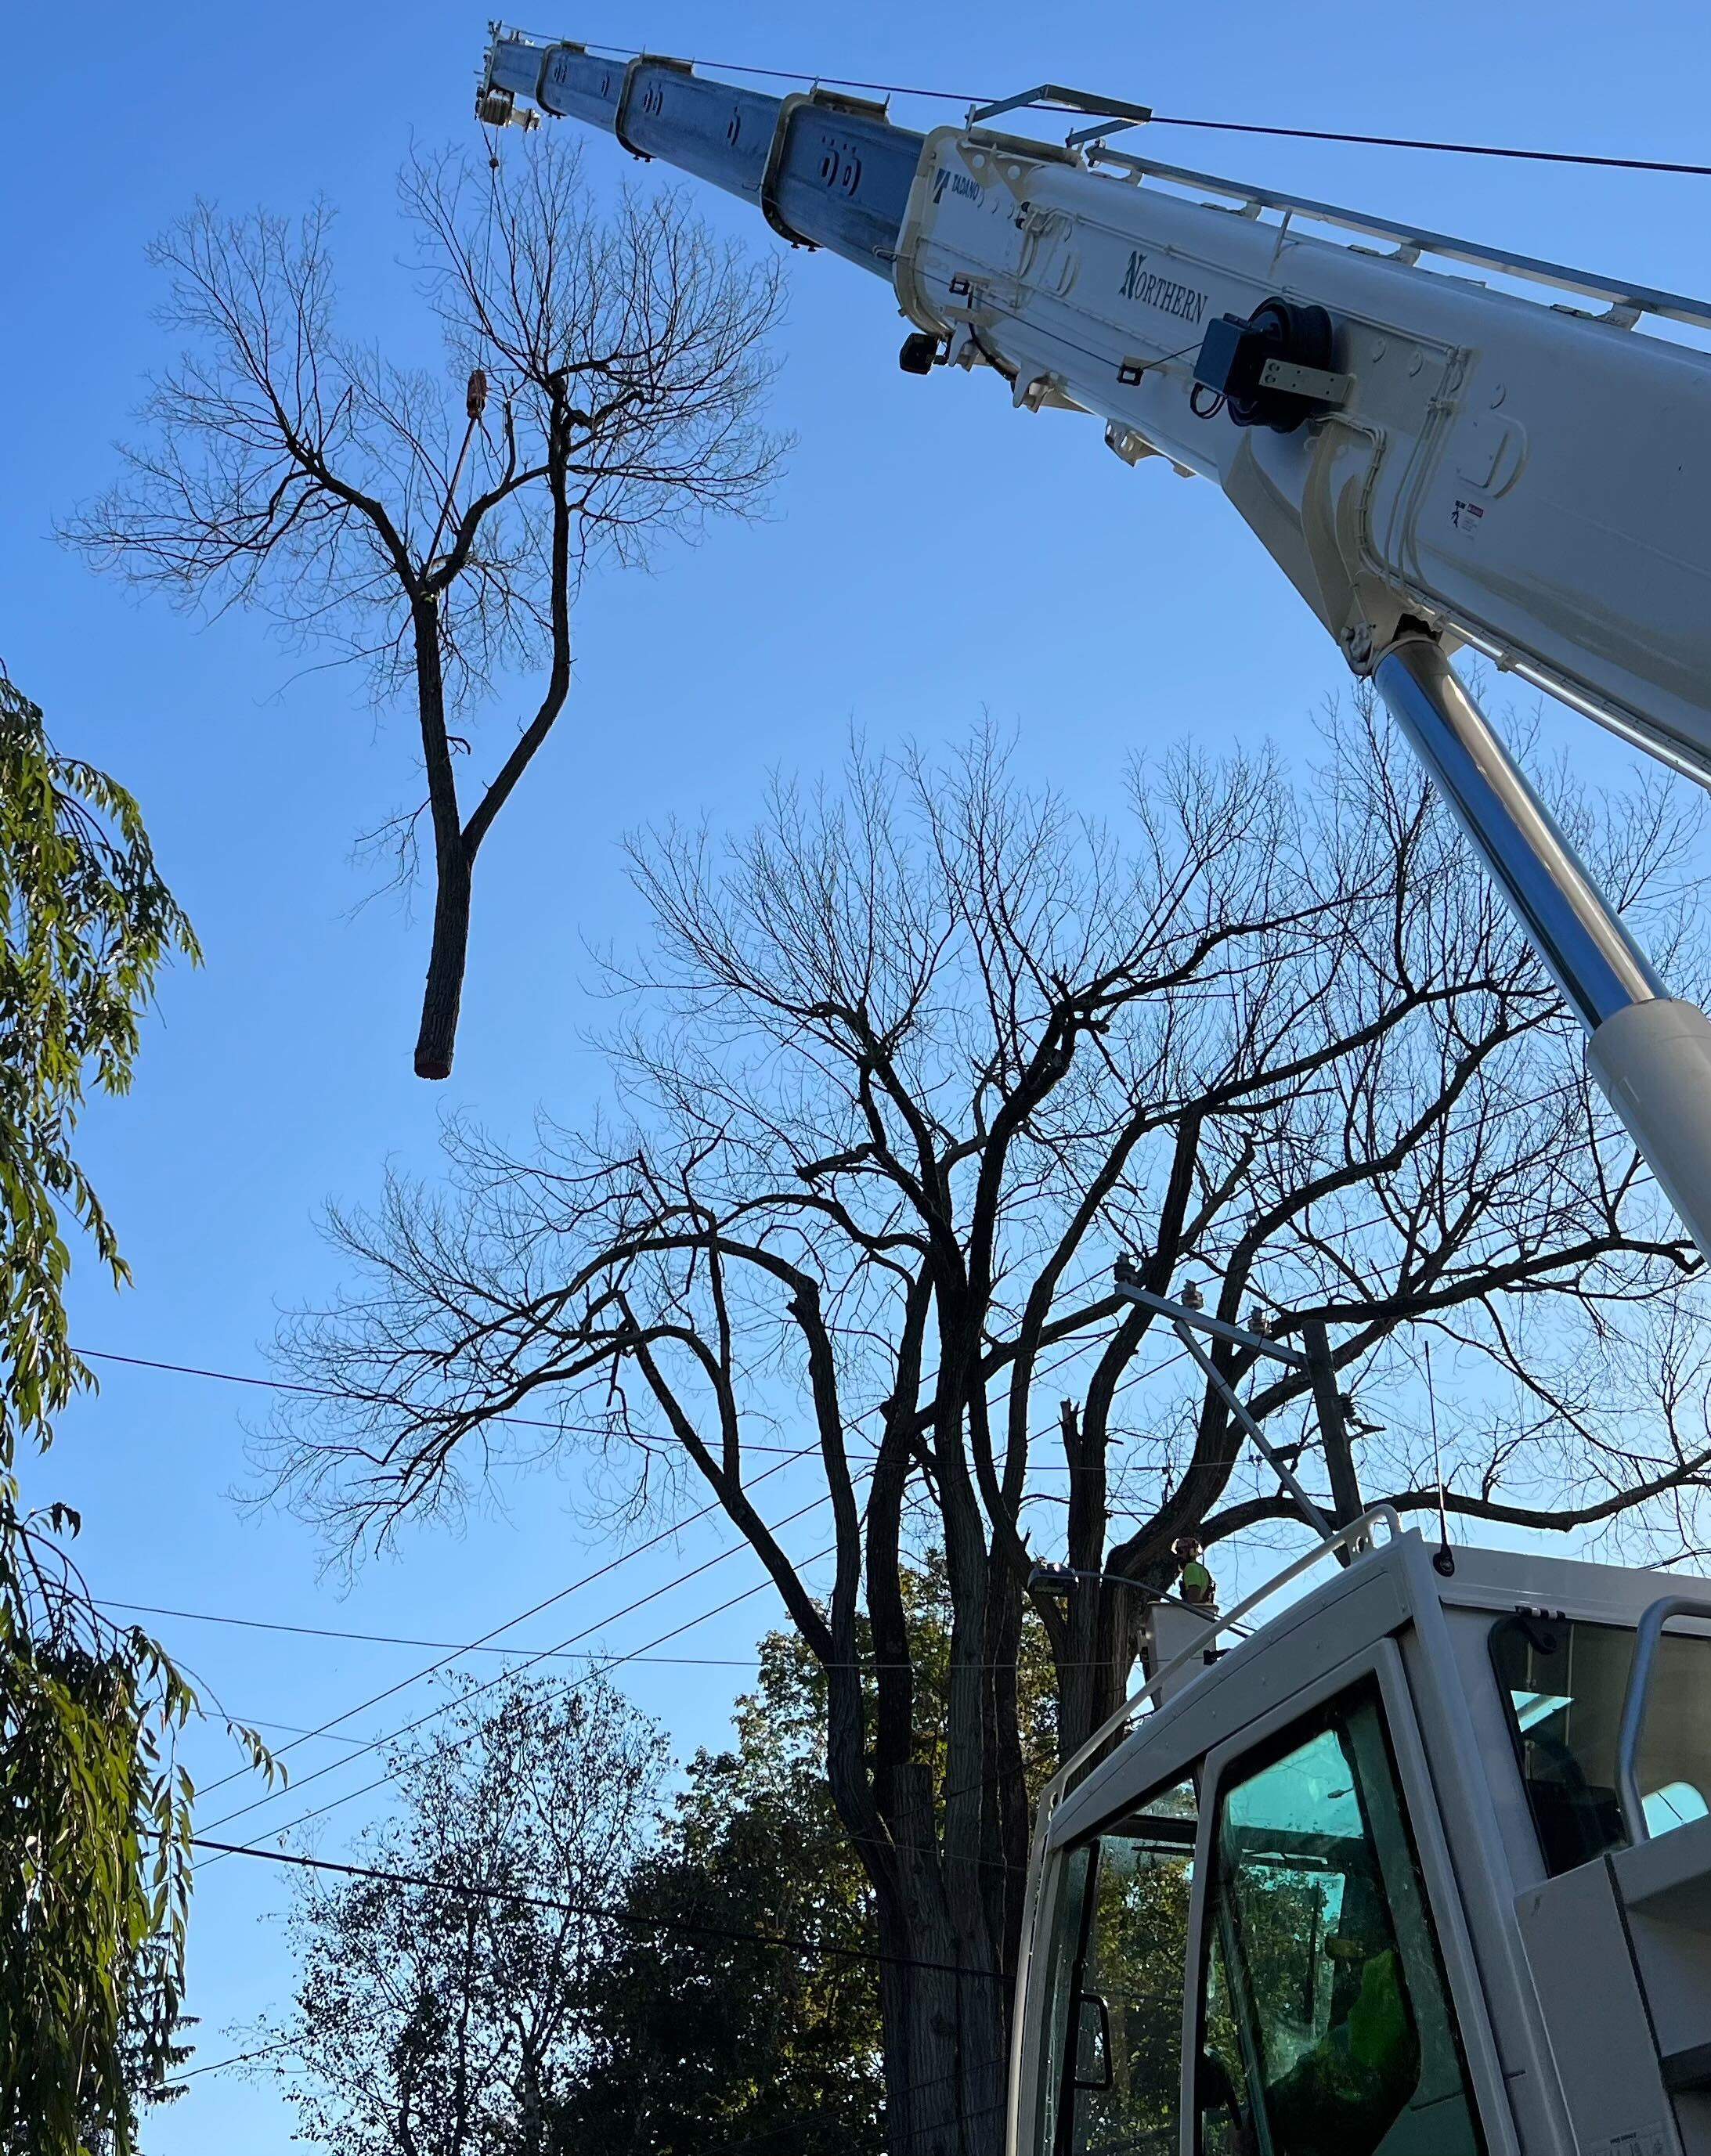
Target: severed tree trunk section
column 443, row 991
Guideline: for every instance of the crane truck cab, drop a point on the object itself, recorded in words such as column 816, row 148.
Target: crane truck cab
column 1421, row 1867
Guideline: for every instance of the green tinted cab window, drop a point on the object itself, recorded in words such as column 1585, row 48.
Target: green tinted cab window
column 1119, row 2091
column 1327, row 2023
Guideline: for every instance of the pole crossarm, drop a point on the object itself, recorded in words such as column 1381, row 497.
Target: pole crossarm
column 1182, row 1313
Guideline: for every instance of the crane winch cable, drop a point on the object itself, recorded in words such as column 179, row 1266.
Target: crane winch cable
column 1442, row 147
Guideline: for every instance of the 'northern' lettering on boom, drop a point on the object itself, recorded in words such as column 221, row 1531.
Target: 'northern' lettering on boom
column 1150, row 289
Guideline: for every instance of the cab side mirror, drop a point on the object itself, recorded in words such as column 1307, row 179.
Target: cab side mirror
column 1214, row 2085
column 1092, row 2041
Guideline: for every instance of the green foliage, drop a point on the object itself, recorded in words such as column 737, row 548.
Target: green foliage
column 94, row 1875
column 701, row 2033
column 700, row 2036
column 94, row 1813
column 88, row 923
column 736, row 1997
column 439, row 2011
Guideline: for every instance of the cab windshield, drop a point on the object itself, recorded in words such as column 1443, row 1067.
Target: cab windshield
column 1563, row 1681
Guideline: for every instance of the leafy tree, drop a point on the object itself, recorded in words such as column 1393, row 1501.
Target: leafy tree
column 603, row 376
column 95, row 1814
column 912, row 1065
column 700, row 2033
column 439, row 2010
column 87, row 924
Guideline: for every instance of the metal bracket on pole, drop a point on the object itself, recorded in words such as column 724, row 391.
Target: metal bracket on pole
column 1309, row 1510
column 1180, row 1313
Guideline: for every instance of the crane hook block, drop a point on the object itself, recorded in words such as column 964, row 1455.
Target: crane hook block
column 1273, row 369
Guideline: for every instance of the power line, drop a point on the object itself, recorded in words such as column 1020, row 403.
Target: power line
column 516, row 1897
column 543, row 1653
column 401, row 1640
column 1220, row 126
column 541, row 1422
column 220, row 2066
column 506, row 1676
column 587, row 1579
column 327, row 1393
column 559, row 1427
column 380, row 1781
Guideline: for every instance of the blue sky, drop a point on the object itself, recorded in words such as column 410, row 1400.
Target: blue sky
column 931, row 555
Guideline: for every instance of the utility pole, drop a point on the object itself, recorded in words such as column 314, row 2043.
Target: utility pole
column 1333, row 1426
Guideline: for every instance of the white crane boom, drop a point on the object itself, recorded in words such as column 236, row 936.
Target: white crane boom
column 1432, row 462
column 1426, row 1861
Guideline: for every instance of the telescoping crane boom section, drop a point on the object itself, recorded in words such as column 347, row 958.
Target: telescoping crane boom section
column 1432, row 463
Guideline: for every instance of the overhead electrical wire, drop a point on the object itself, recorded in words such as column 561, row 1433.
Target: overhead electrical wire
column 627, row 1557
column 1449, row 148
column 224, row 2065
column 544, row 1653
column 571, row 1429
column 520, row 1898
column 507, row 1676
column 380, row 1781
column 455, row 1651
column 403, row 1640
column 327, row 1393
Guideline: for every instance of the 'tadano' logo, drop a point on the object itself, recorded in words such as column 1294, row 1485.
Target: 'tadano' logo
column 958, row 183
column 1148, row 290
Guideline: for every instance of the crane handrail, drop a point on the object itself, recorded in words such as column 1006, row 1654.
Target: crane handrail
column 1648, row 1636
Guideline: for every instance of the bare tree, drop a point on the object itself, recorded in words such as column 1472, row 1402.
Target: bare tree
column 914, row 1064
column 603, row 378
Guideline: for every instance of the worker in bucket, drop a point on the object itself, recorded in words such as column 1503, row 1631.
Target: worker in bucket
column 1195, row 1584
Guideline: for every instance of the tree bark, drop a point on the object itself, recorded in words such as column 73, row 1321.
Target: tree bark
column 443, row 992
column 455, row 843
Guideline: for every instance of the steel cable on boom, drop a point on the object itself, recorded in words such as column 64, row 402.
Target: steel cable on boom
column 1449, row 148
